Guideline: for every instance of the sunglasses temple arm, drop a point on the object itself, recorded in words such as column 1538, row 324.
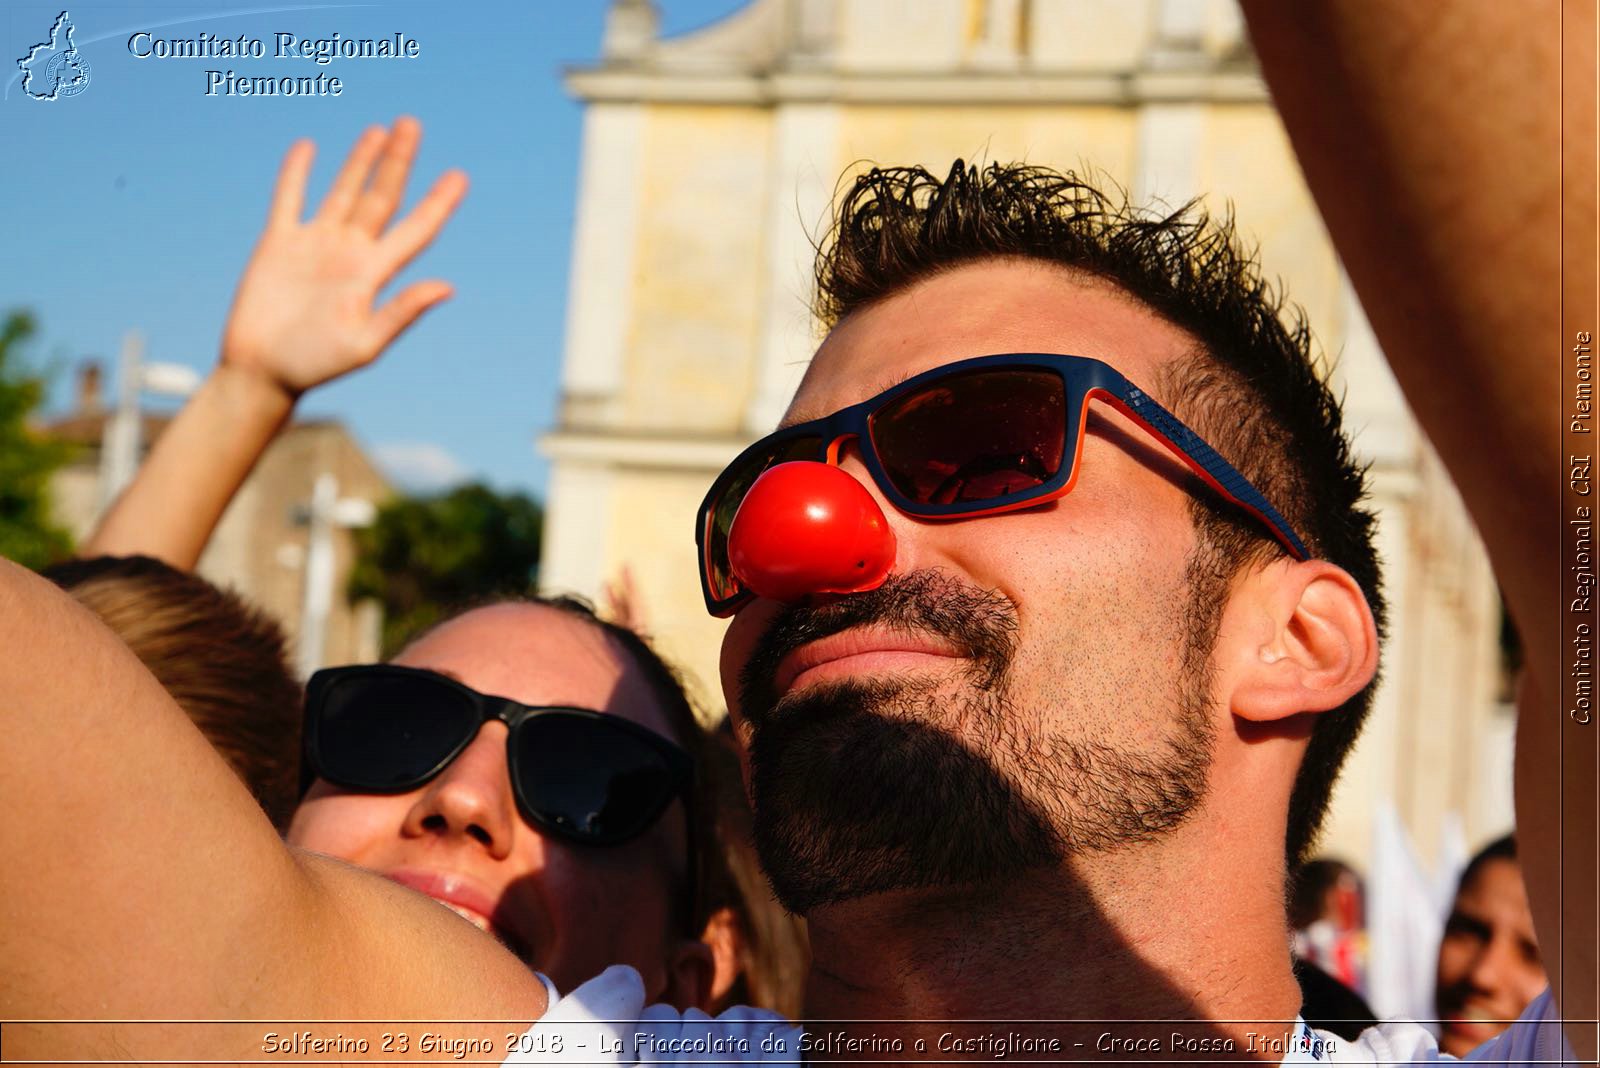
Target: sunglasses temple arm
column 1208, row 464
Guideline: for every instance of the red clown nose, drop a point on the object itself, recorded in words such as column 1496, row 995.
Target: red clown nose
column 809, row 528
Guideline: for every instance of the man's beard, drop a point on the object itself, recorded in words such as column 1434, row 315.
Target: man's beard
column 903, row 783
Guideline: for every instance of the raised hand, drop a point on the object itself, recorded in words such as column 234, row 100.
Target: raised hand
column 305, row 309
column 304, row 313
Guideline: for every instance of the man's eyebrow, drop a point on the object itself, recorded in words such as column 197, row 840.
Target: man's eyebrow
column 884, row 386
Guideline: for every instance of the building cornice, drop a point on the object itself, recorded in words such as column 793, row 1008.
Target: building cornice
column 656, row 451
column 956, row 87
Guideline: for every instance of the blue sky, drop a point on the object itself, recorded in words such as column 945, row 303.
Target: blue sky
column 136, row 202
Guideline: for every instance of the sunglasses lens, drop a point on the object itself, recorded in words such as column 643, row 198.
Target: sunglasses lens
column 973, row 437
column 381, row 732
column 590, row 779
column 720, row 580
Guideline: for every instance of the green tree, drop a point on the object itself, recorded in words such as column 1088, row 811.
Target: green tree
column 424, row 557
column 27, row 460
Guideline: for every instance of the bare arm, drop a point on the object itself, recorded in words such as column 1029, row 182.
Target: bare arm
column 141, row 880
column 304, row 314
column 1431, row 135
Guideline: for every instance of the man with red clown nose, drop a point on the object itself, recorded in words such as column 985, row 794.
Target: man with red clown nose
column 1015, row 646
column 1055, row 608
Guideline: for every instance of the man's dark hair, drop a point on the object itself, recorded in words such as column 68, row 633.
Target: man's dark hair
column 1502, row 848
column 1252, row 389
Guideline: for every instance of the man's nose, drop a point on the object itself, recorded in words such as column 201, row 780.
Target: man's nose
column 1491, row 968
column 809, row 528
column 472, row 798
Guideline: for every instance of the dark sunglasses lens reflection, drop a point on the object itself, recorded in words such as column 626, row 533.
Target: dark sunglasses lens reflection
column 592, row 779
column 982, row 436
column 390, row 733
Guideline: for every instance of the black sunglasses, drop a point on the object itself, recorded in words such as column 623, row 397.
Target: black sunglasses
column 585, row 776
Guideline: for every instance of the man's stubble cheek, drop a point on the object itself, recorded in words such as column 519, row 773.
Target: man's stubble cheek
column 1095, row 669
column 1108, row 695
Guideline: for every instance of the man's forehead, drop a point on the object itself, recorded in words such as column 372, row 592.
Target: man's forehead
column 981, row 309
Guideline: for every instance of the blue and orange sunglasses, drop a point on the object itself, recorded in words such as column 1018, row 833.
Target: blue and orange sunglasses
column 973, row 438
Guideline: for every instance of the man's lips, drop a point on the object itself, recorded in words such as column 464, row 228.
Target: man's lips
column 858, row 651
column 463, row 897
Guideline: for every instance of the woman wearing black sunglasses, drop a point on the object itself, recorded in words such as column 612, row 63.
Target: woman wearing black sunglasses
column 528, row 766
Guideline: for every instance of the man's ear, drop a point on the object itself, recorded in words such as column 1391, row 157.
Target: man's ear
column 690, row 971
column 1305, row 640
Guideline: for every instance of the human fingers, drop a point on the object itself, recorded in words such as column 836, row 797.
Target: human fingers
column 394, row 317
column 382, row 196
column 352, row 176
column 412, row 234
column 289, row 195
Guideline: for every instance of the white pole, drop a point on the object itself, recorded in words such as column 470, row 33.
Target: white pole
column 119, row 446
column 318, row 590
column 328, row 512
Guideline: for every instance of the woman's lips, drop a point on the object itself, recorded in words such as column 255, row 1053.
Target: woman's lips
column 858, row 651
column 463, row 897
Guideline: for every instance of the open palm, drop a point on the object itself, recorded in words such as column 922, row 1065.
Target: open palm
column 305, row 310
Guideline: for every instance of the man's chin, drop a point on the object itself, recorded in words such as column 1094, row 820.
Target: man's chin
column 857, row 792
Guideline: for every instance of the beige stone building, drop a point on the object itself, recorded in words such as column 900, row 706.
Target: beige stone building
column 709, row 161
column 263, row 545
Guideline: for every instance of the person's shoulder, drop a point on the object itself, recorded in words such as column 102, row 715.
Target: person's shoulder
column 606, row 1021
column 1535, row 1038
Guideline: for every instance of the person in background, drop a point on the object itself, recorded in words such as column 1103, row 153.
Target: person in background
column 220, row 658
column 766, row 947
column 1330, row 947
column 1325, row 913
column 1489, row 963
column 1327, row 916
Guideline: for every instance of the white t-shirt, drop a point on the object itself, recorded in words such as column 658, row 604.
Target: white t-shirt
column 605, row 1021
